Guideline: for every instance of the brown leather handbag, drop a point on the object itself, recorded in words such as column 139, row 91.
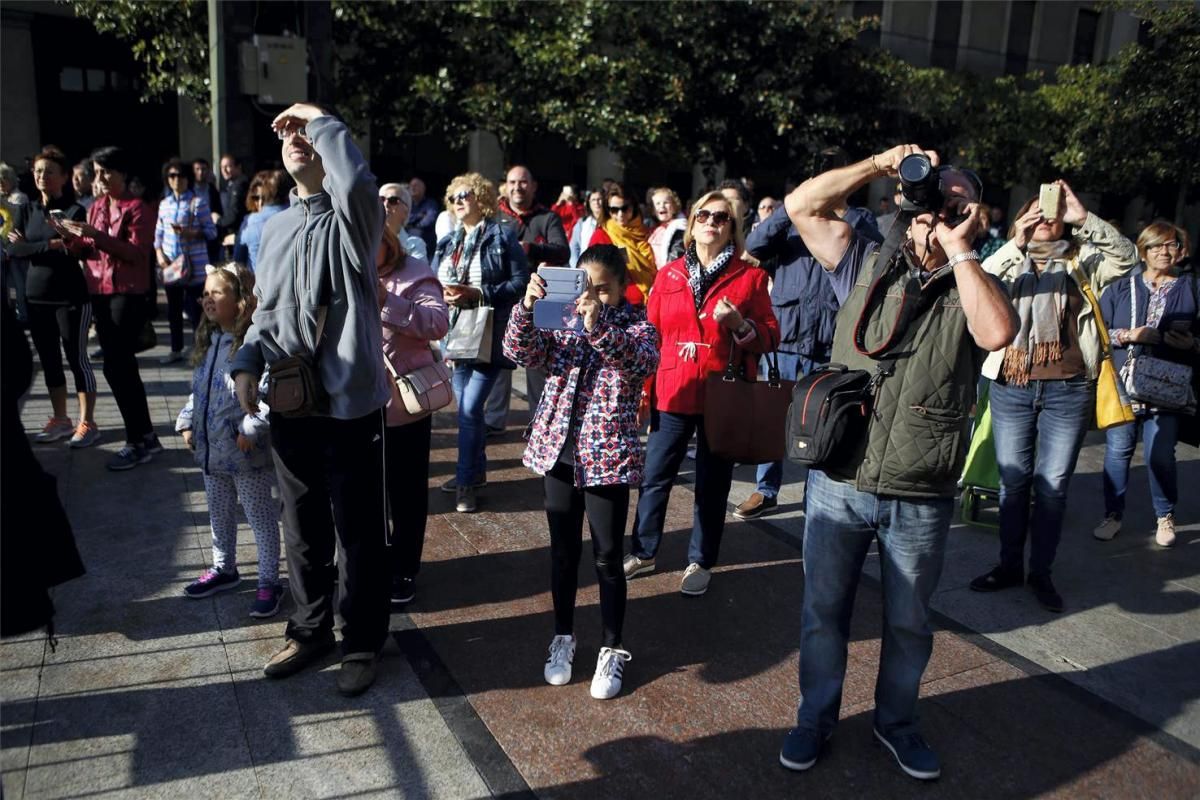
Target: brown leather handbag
column 744, row 419
column 294, row 383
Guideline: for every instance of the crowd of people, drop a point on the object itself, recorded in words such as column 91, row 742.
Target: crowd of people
column 324, row 318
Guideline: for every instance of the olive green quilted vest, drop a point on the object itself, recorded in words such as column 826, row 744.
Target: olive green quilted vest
column 914, row 445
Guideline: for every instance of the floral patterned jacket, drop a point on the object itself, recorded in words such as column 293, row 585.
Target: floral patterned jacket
column 215, row 418
column 593, row 388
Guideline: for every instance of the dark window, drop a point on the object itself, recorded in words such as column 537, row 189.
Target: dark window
column 97, row 79
column 1087, row 27
column 945, row 34
column 869, row 8
column 71, row 79
column 1020, row 27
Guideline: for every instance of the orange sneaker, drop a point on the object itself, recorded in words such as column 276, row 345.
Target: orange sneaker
column 86, row 435
column 56, row 428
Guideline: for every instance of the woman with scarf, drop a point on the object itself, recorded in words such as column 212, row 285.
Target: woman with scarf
column 702, row 305
column 480, row 263
column 1162, row 316
column 623, row 227
column 414, row 316
column 1055, row 263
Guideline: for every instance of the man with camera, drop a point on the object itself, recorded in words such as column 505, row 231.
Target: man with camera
column 918, row 323
column 317, row 327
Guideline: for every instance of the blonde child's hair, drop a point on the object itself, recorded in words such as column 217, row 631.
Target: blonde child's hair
column 241, row 280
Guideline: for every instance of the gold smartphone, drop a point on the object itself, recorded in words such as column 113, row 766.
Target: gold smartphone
column 1049, row 200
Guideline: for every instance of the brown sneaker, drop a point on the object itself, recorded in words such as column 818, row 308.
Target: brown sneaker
column 755, row 505
column 357, row 673
column 295, row 656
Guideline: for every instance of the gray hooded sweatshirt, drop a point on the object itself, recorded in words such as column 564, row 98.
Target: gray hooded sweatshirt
column 321, row 251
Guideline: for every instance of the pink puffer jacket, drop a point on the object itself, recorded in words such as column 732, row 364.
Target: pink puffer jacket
column 414, row 315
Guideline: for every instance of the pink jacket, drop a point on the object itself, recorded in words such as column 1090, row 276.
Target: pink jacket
column 117, row 260
column 414, row 315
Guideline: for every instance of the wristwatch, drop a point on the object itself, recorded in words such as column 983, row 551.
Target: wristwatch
column 969, row 255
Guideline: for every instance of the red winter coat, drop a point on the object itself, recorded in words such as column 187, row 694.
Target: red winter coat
column 694, row 344
column 118, row 259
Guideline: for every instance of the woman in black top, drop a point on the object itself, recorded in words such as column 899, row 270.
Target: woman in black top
column 59, row 308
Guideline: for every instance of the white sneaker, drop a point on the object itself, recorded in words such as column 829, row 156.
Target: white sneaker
column 606, row 683
column 1165, row 535
column 56, row 428
column 695, row 580
column 558, row 665
column 1108, row 529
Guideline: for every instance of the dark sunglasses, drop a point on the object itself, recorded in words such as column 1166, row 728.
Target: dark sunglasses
column 718, row 218
column 392, row 201
column 465, row 194
column 255, row 197
column 175, row 175
column 619, row 209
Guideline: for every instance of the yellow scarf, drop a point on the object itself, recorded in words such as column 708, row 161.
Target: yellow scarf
column 636, row 243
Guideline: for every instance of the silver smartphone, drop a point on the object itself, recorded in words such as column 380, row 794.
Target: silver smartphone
column 556, row 311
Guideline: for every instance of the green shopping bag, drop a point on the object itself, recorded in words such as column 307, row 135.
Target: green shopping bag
column 981, row 474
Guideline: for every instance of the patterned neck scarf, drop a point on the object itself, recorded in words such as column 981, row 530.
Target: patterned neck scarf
column 700, row 278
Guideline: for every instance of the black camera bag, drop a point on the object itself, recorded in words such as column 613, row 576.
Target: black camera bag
column 830, row 409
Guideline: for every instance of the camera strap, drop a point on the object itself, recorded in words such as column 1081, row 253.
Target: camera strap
column 917, row 295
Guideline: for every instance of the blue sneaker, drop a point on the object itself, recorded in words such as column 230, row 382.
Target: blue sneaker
column 211, row 582
column 266, row 602
column 801, row 748
column 912, row 754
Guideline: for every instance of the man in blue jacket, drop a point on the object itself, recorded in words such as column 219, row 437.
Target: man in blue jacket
column 317, row 295
column 805, row 305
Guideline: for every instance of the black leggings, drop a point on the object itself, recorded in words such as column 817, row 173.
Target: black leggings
column 119, row 322
column 406, row 459
column 183, row 300
column 606, row 508
column 50, row 325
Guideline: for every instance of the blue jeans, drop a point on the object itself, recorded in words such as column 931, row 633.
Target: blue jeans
column 841, row 522
column 1159, row 434
column 471, row 383
column 791, row 367
column 665, row 450
column 1038, row 430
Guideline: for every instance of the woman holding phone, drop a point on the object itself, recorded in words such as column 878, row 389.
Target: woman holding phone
column 584, row 442
column 1163, row 320
column 1059, row 256
column 480, row 263
column 184, row 228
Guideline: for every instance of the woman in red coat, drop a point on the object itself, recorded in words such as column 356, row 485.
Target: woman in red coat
column 701, row 304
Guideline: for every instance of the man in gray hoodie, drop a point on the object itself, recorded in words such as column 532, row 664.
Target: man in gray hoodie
column 317, row 295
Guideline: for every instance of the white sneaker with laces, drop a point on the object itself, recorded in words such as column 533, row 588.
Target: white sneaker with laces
column 558, row 665
column 1106, row 530
column 695, row 580
column 610, row 666
column 1165, row 535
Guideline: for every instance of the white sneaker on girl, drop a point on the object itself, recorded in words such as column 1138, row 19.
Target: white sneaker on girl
column 558, row 665
column 606, row 683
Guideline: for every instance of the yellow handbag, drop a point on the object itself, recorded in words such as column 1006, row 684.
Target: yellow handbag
column 1112, row 408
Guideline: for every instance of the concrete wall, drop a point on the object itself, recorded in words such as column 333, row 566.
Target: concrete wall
column 20, row 134
column 985, row 33
column 907, row 28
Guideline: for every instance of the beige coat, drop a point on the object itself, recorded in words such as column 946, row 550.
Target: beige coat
column 1104, row 256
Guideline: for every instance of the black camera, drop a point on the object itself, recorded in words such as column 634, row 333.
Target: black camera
column 921, row 187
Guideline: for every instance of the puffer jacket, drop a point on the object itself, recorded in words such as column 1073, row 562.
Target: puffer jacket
column 215, row 417
column 693, row 343
column 414, row 315
column 593, row 389
column 1103, row 254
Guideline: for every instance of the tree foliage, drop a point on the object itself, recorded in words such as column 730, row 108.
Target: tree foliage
column 168, row 39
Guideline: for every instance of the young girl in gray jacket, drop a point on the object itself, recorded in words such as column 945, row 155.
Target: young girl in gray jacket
column 231, row 447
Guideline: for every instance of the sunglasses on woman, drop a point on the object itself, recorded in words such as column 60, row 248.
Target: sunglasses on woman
column 174, row 175
column 391, row 201
column 465, row 194
column 718, row 218
column 619, row 209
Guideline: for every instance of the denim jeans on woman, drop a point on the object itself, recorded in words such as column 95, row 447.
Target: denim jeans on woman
column 840, row 525
column 1038, row 430
column 472, row 382
column 1160, row 431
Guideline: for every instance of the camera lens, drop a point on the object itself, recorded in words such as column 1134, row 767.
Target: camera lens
column 915, row 168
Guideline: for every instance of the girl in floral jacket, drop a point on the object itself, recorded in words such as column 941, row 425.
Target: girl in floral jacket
column 584, row 441
column 232, row 447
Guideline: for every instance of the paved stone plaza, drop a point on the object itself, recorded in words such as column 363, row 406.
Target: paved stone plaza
column 150, row 694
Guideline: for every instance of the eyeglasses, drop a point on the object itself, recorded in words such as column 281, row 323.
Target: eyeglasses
column 718, row 218
column 284, row 133
column 465, row 194
column 619, row 209
column 1167, row 245
column 391, row 201
column 174, row 175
